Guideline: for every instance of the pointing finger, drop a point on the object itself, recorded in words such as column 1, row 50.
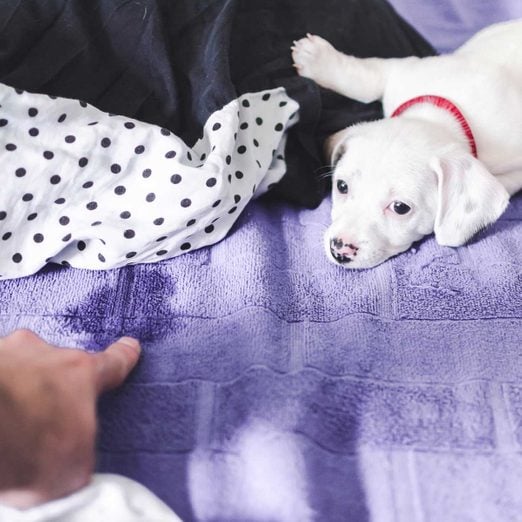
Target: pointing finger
column 113, row 365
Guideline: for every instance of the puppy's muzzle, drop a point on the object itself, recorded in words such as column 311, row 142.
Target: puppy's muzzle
column 343, row 252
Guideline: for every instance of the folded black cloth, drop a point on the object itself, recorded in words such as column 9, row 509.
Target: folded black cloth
column 175, row 62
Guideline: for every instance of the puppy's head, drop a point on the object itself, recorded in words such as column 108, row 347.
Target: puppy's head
column 397, row 180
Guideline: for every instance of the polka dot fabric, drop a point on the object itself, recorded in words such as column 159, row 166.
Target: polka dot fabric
column 88, row 189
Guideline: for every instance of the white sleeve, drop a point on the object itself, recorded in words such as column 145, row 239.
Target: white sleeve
column 108, row 497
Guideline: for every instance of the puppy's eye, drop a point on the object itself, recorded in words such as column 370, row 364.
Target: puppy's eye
column 400, row 208
column 342, row 187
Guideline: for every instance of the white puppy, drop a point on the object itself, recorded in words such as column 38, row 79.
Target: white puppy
column 446, row 157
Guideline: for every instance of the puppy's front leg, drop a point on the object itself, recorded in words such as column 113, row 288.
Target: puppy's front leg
column 362, row 79
column 512, row 181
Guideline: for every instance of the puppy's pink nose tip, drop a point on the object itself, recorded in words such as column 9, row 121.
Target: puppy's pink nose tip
column 343, row 250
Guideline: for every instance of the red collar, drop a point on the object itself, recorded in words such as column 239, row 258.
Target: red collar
column 445, row 104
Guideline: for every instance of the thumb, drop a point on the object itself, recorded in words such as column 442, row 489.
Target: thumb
column 113, row 365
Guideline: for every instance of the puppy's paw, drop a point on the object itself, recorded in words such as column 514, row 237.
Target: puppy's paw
column 314, row 58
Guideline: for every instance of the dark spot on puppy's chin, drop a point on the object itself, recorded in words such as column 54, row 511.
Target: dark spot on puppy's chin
column 470, row 207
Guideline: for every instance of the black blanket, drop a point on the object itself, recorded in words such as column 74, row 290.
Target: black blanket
column 175, row 62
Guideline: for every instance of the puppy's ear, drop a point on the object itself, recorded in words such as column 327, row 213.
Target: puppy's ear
column 335, row 146
column 469, row 198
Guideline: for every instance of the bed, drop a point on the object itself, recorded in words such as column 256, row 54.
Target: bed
column 274, row 385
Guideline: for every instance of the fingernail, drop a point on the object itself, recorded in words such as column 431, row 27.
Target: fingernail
column 130, row 341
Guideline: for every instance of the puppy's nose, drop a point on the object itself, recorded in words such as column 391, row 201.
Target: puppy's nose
column 342, row 252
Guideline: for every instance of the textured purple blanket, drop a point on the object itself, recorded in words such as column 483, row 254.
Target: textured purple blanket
column 275, row 386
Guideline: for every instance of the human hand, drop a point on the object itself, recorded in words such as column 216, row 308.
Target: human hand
column 48, row 414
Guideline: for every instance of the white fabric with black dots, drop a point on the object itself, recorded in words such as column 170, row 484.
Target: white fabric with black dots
column 88, row 189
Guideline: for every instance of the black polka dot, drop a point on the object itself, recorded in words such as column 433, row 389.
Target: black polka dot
column 92, row 205
column 125, row 214
column 59, row 201
column 165, row 132
column 96, row 223
column 185, row 246
column 105, row 142
column 20, row 173
column 175, row 178
column 3, row 215
column 140, row 149
column 203, row 157
column 241, row 149
column 3, row 122
column 115, row 168
column 19, row 91
column 228, row 160
column 32, row 216
column 38, row 238
column 170, row 154
column 258, row 164
column 259, row 121
column 6, row 236
column 229, row 177
column 129, row 234
column 70, row 138
column 101, row 258
column 27, row 197
column 81, row 245
column 254, row 189
column 211, row 182
column 266, row 96
column 129, row 255
column 237, row 198
column 186, row 202
column 146, row 173
column 209, row 229
column 62, row 117
column 216, row 203
column 161, row 252
column 282, row 104
column 279, row 127
column 244, row 126
column 216, row 126
column 48, row 155
column 256, row 143
column 87, row 184
column 66, row 264
column 34, row 132
column 66, row 238
column 150, row 197
column 17, row 258
column 191, row 222
column 239, row 174
column 246, row 103
column 160, row 239
column 64, row 220
column 232, row 210
column 119, row 190
column 82, row 162
column 129, row 125
column 189, row 156
column 82, row 103
column 10, row 147
column 159, row 221
column 55, row 179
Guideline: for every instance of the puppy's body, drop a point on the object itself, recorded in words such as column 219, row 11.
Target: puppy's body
column 423, row 157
